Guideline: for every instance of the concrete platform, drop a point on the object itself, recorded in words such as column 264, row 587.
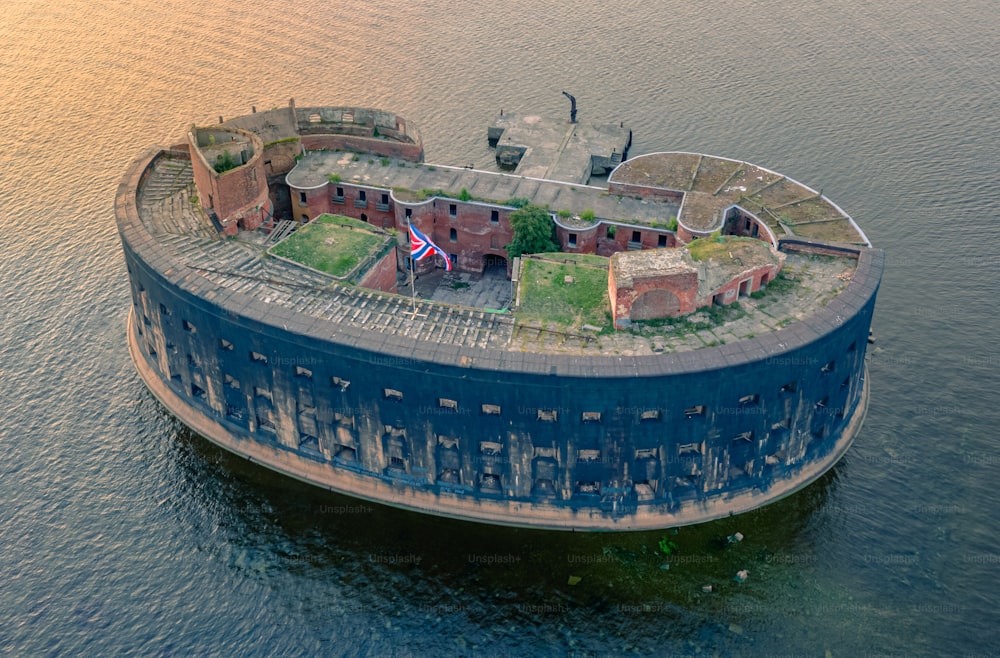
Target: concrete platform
column 540, row 147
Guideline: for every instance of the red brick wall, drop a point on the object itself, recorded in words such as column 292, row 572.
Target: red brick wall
column 238, row 194
column 683, row 286
column 596, row 241
column 755, row 277
column 586, row 239
column 383, row 275
column 475, row 233
column 320, row 200
column 388, row 148
column 279, row 158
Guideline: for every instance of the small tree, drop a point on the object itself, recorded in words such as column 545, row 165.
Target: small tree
column 534, row 232
column 224, row 162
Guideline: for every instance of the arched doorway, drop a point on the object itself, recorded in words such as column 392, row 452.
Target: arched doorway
column 491, row 261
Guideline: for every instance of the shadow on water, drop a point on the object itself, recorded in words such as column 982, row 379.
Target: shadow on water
column 367, row 559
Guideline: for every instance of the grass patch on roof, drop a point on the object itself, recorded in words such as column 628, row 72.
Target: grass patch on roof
column 718, row 247
column 331, row 243
column 547, row 297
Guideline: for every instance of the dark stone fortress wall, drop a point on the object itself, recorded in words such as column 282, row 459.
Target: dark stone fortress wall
column 616, row 438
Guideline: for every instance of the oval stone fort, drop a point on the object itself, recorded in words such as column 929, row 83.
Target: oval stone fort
column 689, row 344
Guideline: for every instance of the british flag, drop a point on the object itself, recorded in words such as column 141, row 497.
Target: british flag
column 422, row 247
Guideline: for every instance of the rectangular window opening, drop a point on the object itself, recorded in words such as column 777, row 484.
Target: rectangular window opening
column 547, row 415
column 572, row 239
column 491, row 409
column 490, row 482
column 345, row 453
column 491, row 448
column 591, row 416
column 696, row 411
column 302, row 198
column 495, row 216
column 445, row 403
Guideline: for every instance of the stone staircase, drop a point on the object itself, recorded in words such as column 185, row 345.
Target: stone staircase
column 165, row 201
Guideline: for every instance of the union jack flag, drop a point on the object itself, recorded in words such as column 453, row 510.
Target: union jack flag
column 421, row 247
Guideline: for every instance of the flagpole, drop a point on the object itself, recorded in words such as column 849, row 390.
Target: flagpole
column 413, row 293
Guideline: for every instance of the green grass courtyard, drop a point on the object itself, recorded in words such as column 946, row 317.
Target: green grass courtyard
column 333, row 244
column 547, row 296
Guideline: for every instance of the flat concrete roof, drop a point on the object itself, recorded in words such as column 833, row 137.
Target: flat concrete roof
column 557, row 149
column 631, row 265
column 406, row 179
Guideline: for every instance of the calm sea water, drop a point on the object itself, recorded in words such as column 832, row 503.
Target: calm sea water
column 120, row 532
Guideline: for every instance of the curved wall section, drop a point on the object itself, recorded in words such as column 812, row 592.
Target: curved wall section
column 239, row 194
